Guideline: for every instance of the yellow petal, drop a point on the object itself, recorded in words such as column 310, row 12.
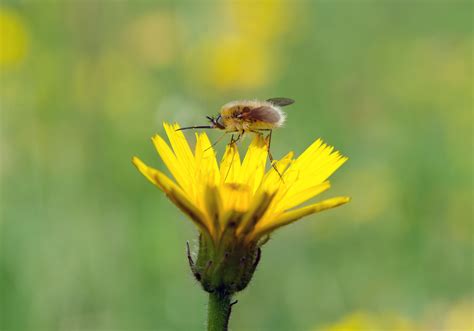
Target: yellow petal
column 257, row 208
column 273, row 183
column 189, row 209
column 316, row 164
column 311, row 169
column 207, row 171
column 174, row 193
column 230, row 165
column 272, row 179
column 253, row 166
column 179, row 143
column 322, row 169
column 235, row 196
column 298, row 198
column 155, row 176
column 214, row 209
column 294, row 215
column 169, row 159
column 307, row 155
column 183, row 153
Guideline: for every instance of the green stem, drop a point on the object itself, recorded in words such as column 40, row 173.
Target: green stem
column 218, row 311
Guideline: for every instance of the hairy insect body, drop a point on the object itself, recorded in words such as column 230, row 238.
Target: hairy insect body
column 240, row 117
column 249, row 116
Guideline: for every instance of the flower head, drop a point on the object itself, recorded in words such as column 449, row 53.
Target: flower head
column 236, row 204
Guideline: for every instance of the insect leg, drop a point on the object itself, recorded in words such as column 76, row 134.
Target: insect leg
column 216, row 142
column 270, row 156
column 238, row 137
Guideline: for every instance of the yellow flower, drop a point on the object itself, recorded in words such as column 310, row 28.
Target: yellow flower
column 237, row 204
column 241, row 195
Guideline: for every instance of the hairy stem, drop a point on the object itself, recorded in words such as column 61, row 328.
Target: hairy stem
column 219, row 309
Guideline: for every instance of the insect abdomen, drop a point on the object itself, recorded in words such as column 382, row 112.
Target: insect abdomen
column 252, row 115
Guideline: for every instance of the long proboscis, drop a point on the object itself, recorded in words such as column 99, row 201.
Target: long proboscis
column 196, row 127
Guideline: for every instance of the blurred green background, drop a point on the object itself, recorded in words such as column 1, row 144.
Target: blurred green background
column 88, row 244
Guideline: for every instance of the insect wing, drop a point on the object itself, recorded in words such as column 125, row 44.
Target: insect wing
column 263, row 114
column 282, row 102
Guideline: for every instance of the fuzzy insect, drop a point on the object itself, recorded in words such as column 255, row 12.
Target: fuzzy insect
column 240, row 117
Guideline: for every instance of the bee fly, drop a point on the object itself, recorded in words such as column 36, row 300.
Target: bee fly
column 240, row 117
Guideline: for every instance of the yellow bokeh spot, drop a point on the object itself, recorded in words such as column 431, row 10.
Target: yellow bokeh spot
column 243, row 51
column 264, row 20
column 460, row 317
column 13, row 38
column 363, row 321
column 354, row 322
column 234, row 62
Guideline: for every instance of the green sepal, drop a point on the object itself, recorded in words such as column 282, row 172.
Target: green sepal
column 226, row 267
